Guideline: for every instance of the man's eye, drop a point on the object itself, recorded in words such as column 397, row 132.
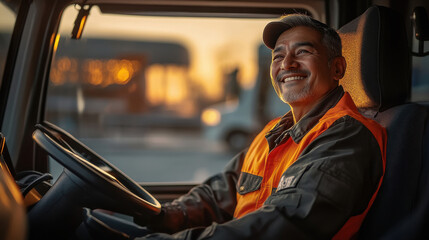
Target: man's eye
column 277, row 57
column 302, row 51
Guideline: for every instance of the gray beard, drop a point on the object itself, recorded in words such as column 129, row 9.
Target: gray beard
column 292, row 97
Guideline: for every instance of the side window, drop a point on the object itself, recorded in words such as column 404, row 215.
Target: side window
column 159, row 97
column 420, row 78
column 420, row 72
column 7, row 22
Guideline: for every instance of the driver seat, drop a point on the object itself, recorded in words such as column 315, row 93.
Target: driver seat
column 378, row 77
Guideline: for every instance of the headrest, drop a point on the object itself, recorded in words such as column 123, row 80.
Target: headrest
column 378, row 71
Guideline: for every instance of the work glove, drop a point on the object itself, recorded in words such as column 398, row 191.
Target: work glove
column 171, row 219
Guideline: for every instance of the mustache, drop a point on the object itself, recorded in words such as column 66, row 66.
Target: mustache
column 290, row 72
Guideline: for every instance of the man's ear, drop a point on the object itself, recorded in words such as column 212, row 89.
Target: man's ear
column 338, row 67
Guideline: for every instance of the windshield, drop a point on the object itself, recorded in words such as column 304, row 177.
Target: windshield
column 152, row 92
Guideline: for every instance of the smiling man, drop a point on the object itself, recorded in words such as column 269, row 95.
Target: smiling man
column 305, row 66
column 310, row 174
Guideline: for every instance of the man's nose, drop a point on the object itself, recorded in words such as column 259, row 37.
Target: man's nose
column 289, row 62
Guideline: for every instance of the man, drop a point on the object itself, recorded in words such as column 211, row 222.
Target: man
column 311, row 174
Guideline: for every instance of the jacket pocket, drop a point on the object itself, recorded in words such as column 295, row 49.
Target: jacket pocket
column 248, row 183
column 291, row 177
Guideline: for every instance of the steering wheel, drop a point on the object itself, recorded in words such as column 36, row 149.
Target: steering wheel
column 88, row 180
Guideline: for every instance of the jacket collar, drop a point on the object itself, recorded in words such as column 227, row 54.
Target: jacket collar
column 286, row 127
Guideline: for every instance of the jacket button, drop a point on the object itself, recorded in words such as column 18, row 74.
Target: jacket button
column 242, row 188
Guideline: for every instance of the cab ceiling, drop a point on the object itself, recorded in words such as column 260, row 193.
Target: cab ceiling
column 248, row 8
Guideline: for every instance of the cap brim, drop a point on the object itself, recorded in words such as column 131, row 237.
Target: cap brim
column 272, row 32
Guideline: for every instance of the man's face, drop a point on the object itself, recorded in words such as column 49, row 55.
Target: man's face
column 300, row 68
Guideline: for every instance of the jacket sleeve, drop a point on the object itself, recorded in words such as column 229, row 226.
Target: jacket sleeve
column 212, row 201
column 333, row 179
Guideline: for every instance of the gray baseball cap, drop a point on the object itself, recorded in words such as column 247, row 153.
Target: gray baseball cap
column 273, row 30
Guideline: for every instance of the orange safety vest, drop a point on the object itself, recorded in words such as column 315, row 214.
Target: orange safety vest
column 271, row 165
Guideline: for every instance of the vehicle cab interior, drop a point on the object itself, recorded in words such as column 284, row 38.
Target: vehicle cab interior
column 110, row 108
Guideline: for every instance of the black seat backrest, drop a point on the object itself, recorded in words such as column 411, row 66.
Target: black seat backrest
column 414, row 226
column 378, row 79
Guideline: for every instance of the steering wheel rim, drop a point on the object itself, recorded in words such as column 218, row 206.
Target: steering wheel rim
column 95, row 171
